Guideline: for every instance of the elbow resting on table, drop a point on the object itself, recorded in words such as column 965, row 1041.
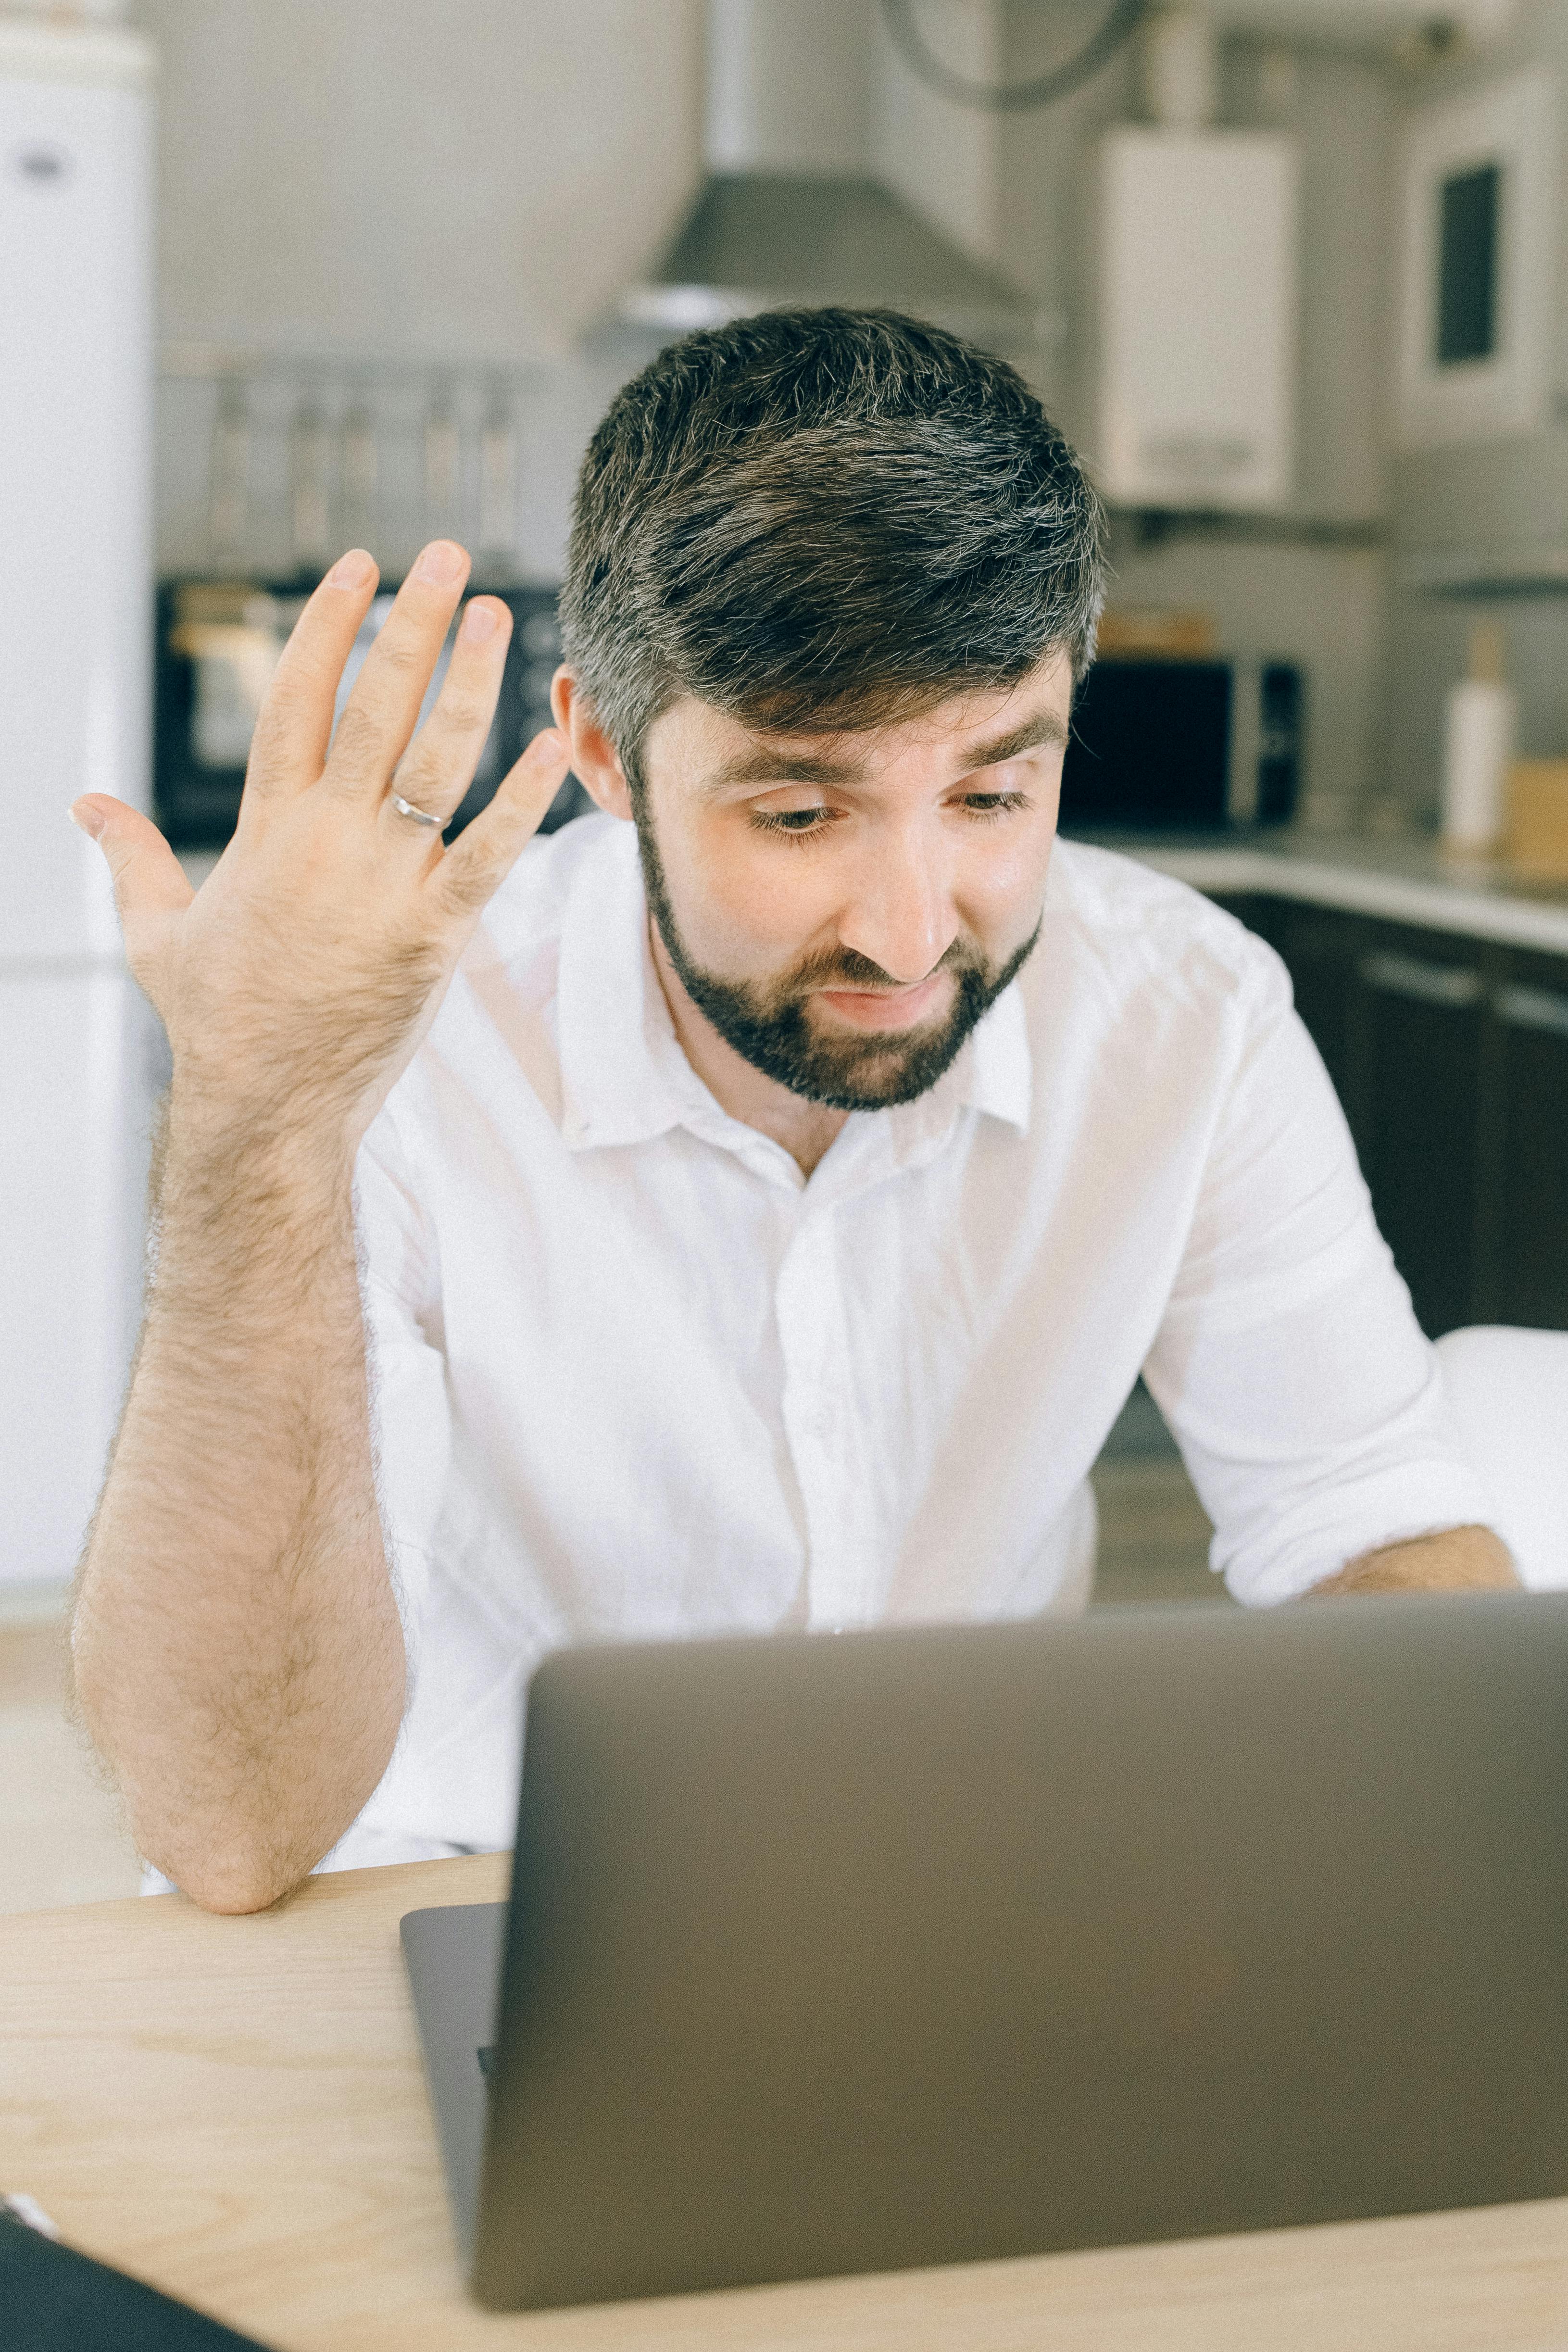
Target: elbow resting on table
column 237, row 1816
column 234, row 1871
column 233, row 1884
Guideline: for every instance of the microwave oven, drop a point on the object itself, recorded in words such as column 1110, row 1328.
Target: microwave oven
column 1179, row 745
column 217, row 646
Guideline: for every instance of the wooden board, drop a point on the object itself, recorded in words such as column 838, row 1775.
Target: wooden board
column 234, row 2109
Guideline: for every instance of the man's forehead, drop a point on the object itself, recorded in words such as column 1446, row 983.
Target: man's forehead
column 976, row 725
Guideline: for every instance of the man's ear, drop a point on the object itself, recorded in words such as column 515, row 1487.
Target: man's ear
column 594, row 758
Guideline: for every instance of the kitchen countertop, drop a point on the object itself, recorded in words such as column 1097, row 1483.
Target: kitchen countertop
column 1408, row 880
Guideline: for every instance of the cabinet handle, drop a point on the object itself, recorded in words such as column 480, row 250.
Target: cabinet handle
column 1429, row 983
column 1533, row 1008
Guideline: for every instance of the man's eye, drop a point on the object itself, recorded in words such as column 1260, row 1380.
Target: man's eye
column 795, row 822
column 994, row 803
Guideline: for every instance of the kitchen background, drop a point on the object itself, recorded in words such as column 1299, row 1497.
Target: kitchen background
column 1290, row 272
column 386, row 213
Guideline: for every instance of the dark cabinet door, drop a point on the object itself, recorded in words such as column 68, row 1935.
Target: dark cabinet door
column 1451, row 1056
column 1415, row 1063
column 1529, row 1251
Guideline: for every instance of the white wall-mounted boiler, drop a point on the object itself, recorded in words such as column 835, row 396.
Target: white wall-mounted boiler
column 1197, row 284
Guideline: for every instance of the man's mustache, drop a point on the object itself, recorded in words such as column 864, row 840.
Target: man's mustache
column 846, row 967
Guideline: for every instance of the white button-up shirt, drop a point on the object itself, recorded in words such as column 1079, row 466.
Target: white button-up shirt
column 635, row 1376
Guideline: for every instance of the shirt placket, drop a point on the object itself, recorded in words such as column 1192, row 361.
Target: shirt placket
column 816, row 1401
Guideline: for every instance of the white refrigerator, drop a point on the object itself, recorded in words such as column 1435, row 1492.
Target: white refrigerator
column 75, row 367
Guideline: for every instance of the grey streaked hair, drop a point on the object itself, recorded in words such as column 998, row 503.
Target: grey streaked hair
column 820, row 520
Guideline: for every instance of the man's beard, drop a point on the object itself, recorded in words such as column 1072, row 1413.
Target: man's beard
column 772, row 1030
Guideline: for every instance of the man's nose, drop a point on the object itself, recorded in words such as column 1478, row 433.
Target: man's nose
column 901, row 913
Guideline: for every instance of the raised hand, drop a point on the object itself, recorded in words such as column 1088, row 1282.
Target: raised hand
column 296, row 983
column 238, row 1654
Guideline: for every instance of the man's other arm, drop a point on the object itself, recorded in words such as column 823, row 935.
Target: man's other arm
column 1455, row 1560
column 1309, row 1403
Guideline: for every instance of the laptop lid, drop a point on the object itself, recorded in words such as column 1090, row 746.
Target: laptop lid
column 834, row 1954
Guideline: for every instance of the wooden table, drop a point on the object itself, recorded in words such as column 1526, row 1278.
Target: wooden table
column 234, row 2109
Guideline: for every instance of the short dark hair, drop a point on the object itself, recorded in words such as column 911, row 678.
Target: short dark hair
column 824, row 520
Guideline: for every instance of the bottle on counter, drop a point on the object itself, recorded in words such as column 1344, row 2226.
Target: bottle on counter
column 1478, row 746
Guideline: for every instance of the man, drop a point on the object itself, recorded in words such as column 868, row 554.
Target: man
column 767, row 1190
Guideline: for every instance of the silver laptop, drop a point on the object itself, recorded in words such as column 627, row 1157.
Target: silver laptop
column 915, row 1947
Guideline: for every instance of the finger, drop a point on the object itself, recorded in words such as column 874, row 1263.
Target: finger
column 438, row 767
column 146, row 874
column 382, row 711
column 484, row 853
column 293, row 728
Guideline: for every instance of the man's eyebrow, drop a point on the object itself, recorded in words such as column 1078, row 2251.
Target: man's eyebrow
column 765, row 767
column 762, row 766
column 1045, row 727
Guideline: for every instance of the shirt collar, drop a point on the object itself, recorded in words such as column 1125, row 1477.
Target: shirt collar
column 621, row 1063
column 624, row 1078
column 1001, row 1076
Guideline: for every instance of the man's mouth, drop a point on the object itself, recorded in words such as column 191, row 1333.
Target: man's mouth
column 887, row 1008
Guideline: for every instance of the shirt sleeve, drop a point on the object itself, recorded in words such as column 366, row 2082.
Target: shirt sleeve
column 411, row 1421
column 1305, row 1398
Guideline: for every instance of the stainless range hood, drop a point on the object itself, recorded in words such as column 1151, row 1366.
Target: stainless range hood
column 791, row 209
column 756, row 239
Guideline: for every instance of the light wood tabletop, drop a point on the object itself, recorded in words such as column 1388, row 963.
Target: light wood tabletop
column 235, row 2110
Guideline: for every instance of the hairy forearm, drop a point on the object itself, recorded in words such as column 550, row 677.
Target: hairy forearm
column 238, row 1659
column 1456, row 1560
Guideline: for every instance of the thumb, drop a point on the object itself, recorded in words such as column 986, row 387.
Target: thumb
column 147, row 877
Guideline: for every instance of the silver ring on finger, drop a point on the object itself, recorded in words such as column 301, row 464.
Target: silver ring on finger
column 420, row 816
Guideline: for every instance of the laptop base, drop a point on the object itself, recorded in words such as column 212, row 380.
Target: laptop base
column 453, row 1956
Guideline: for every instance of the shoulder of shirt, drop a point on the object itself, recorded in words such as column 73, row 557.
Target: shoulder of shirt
column 1109, row 914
